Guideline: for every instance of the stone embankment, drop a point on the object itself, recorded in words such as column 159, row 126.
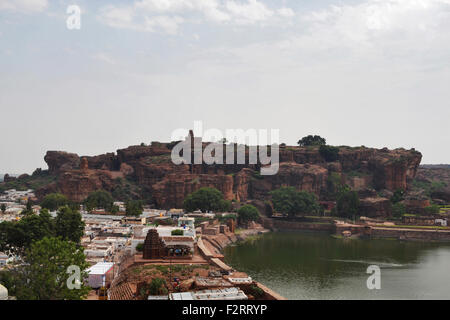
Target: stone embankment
column 211, row 246
column 417, row 233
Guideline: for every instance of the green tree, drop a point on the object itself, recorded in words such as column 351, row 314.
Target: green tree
column 329, row 153
column 134, row 208
column 157, row 286
column 3, row 208
column 398, row 196
column 140, row 247
column 347, row 205
column 288, row 200
column 28, row 210
column 100, row 199
column 311, row 141
column 16, row 236
column 433, row 209
column 53, row 201
column 398, row 209
column 206, row 199
column 247, row 213
column 44, row 273
column 69, row 224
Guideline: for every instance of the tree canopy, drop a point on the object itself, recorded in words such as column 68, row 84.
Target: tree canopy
column 17, row 236
column 311, row 141
column 100, row 199
column 134, row 208
column 288, row 200
column 44, row 275
column 206, row 199
column 69, row 224
column 247, row 213
column 347, row 204
column 53, row 201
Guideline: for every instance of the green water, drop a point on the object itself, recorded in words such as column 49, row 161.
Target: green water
column 317, row 266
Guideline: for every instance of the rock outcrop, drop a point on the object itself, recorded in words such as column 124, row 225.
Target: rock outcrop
column 60, row 161
column 151, row 168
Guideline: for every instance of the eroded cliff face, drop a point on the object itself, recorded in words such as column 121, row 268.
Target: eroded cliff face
column 151, row 168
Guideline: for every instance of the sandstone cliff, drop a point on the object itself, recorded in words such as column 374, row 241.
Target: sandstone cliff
column 151, row 169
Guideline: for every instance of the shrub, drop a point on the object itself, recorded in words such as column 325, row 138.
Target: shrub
column 247, row 213
column 398, row 209
column 329, row 153
column 177, row 232
column 157, row 286
column 433, row 209
column 257, row 292
column 140, row 247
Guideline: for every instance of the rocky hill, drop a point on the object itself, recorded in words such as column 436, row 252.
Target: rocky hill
column 433, row 181
column 148, row 172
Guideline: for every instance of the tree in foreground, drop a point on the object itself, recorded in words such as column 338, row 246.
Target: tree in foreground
column 53, row 201
column 3, row 208
column 311, row 141
column 206, row 199
column 288, row 200
column 44, row 274
column 100, row 199
column 247, row 213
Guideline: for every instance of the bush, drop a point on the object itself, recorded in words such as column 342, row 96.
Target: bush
column 257, row 292
column 433, row 209
column 140, row 247
column 329, row 153
column 247, row 213
column 177, row 232
column 398, row 209
column 157, row 287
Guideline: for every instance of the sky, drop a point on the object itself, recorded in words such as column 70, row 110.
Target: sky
column 367, row 72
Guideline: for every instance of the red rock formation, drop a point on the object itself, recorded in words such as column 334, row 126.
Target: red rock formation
column 77, row 184
column 60, row 161
column 303, row 168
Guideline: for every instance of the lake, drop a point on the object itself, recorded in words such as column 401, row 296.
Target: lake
column 318, row 266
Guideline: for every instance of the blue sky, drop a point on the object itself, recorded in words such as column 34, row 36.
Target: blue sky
column 371, row 72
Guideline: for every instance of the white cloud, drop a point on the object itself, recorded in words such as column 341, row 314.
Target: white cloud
column 250, row 12
column 101, row 56
column 286, row 12
column 24, row 6
column 168, row 15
